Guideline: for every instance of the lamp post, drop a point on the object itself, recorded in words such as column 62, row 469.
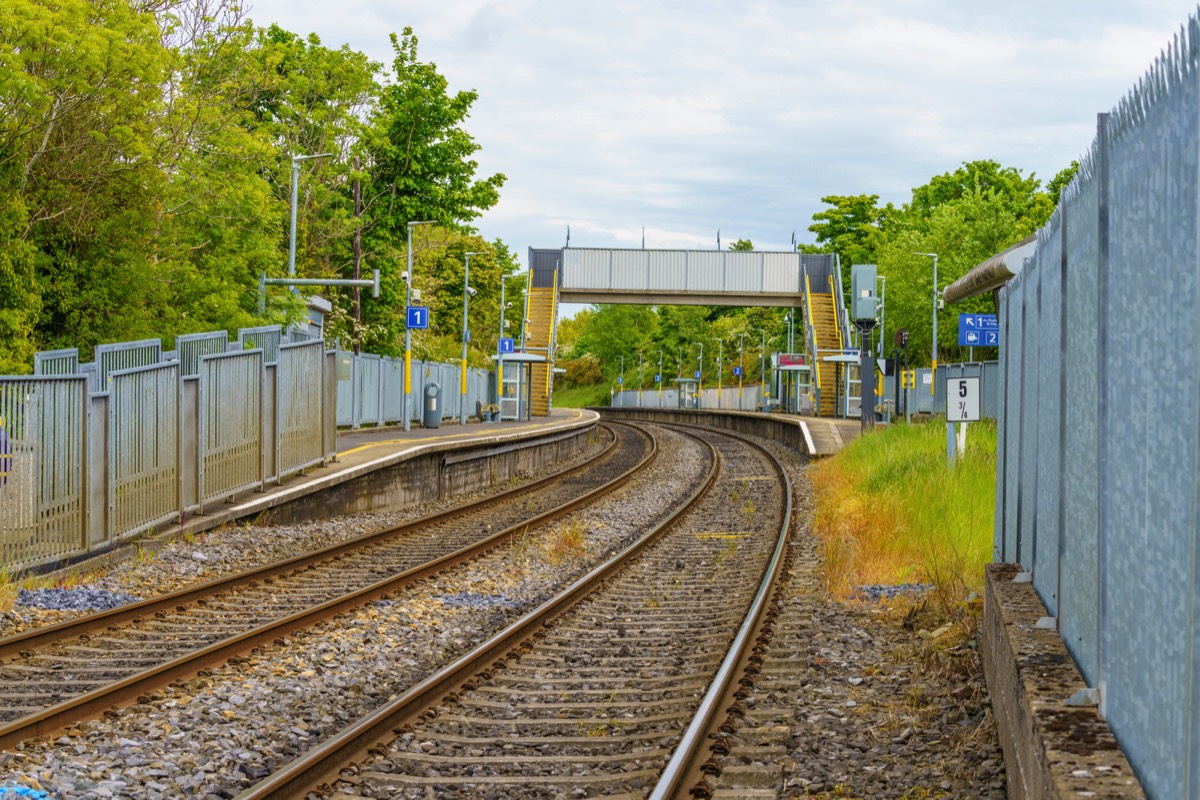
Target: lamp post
column 660, row 378
column 741, row 365
column 641, row 379
column 762, row 369
column 700, row 376
column 468, row 293
column 621, row 381
column 935, row 304
column 408, row 280
column 295, row 188
column 720, row 364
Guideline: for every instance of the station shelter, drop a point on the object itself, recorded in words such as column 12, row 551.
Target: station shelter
column 515, row 392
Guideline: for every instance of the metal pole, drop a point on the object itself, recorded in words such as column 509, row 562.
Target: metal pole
column 882, row 312
column 408, row 330
column 762, row 370
column 720, row 361
column 741, row 365
column 641, row 380
column 499, row 350
column 934, row 350
column 466, row 335
column 700, row 377
column 292, row 234
column 660, row 379
column 621, row 380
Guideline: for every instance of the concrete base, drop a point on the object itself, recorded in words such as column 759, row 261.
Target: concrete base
column 1051, row 749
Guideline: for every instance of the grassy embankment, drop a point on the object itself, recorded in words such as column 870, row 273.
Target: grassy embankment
column 889, row 511
column 581, row 396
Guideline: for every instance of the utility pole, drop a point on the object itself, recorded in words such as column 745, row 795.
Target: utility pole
column 357, row 258
column 660, row 378
column 720, row 377
column 741, row 366
column 641, row 378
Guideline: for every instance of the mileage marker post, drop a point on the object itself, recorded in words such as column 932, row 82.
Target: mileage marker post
column 962, row 408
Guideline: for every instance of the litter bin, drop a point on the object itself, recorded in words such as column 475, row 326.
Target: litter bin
column 431, row 415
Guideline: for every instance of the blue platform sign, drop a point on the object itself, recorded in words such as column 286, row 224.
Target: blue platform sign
column 620, row 380
column 696, row 374
column 506, row 345
column 978, row 330
column 418, row 317
column 657, row 378
column 737, row 372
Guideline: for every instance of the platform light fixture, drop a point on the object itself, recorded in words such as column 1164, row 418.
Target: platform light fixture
column 408, row 331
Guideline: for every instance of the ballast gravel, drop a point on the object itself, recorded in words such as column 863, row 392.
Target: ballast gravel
column 222, row 732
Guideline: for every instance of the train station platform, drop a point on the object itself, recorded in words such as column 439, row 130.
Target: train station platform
column 813, row 436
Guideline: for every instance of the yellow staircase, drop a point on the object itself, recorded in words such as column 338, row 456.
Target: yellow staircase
column 542, row 313
column 827, row 336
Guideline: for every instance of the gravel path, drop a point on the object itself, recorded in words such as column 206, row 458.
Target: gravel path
column 215, row 735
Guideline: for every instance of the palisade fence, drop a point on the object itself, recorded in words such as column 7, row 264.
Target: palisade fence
column 370, row 389
column 1099, row 439
column 93, row 453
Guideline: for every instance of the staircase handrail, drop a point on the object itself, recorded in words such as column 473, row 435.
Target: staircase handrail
column 810, row 337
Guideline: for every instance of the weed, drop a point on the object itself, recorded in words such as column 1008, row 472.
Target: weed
column 734, row 496
column 568, row 542
column 889, row 511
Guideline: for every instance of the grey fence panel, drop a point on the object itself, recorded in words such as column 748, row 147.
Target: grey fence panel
column 369, row 411
column 1048, row 456
column 125, row 355
column 230, row 415
column 392, row 378
column 265, row 337
column 1148, row 453
column 43, row 469
column 56, row 362
column 1014, row 325
column 345, row 376
column 143, row 445
column 193, row 346
column 1030, row 371
column 1078, row 617
column 300, row 405
column 990, row 385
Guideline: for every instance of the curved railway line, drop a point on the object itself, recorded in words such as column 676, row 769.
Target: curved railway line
column 609, row 688
column 53, row 676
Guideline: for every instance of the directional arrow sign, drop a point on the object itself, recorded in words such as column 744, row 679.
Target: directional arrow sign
column 978, row 330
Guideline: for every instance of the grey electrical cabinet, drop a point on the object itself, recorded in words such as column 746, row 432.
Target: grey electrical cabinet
column 863, row 301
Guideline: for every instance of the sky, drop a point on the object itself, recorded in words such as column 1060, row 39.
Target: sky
column 685, row 118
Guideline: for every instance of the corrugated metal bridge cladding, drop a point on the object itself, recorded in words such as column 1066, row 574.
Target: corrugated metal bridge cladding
column 680, row 277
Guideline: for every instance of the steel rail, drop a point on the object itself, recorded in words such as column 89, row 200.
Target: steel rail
column 92, row 704
column 686, row 765
column 321, row 765
column 21, row 643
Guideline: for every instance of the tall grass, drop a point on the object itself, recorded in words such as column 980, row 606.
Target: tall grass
column 889, row 511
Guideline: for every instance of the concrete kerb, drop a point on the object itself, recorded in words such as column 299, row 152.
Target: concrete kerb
column 317, row 480
column 1056, row 744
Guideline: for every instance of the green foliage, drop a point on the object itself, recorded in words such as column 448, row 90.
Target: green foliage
column 742, row 246
column 146, row 167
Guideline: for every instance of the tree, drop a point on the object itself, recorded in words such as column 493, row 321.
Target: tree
column 742, row 246
column 850, row 227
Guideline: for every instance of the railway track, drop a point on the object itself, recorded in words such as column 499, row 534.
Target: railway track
column 60, row 674
column 609, row 688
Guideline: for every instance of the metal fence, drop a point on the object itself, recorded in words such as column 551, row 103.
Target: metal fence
column 266, row 338
column 125, row 355
column 143, row 448
column 299, row 410
column 56, row 362
column 230, row 419
column 191, row 347
column 43, row 468
column 370, row 389
column 1099, row 440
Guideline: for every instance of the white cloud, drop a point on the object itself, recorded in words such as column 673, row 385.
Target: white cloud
column 686, row 117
